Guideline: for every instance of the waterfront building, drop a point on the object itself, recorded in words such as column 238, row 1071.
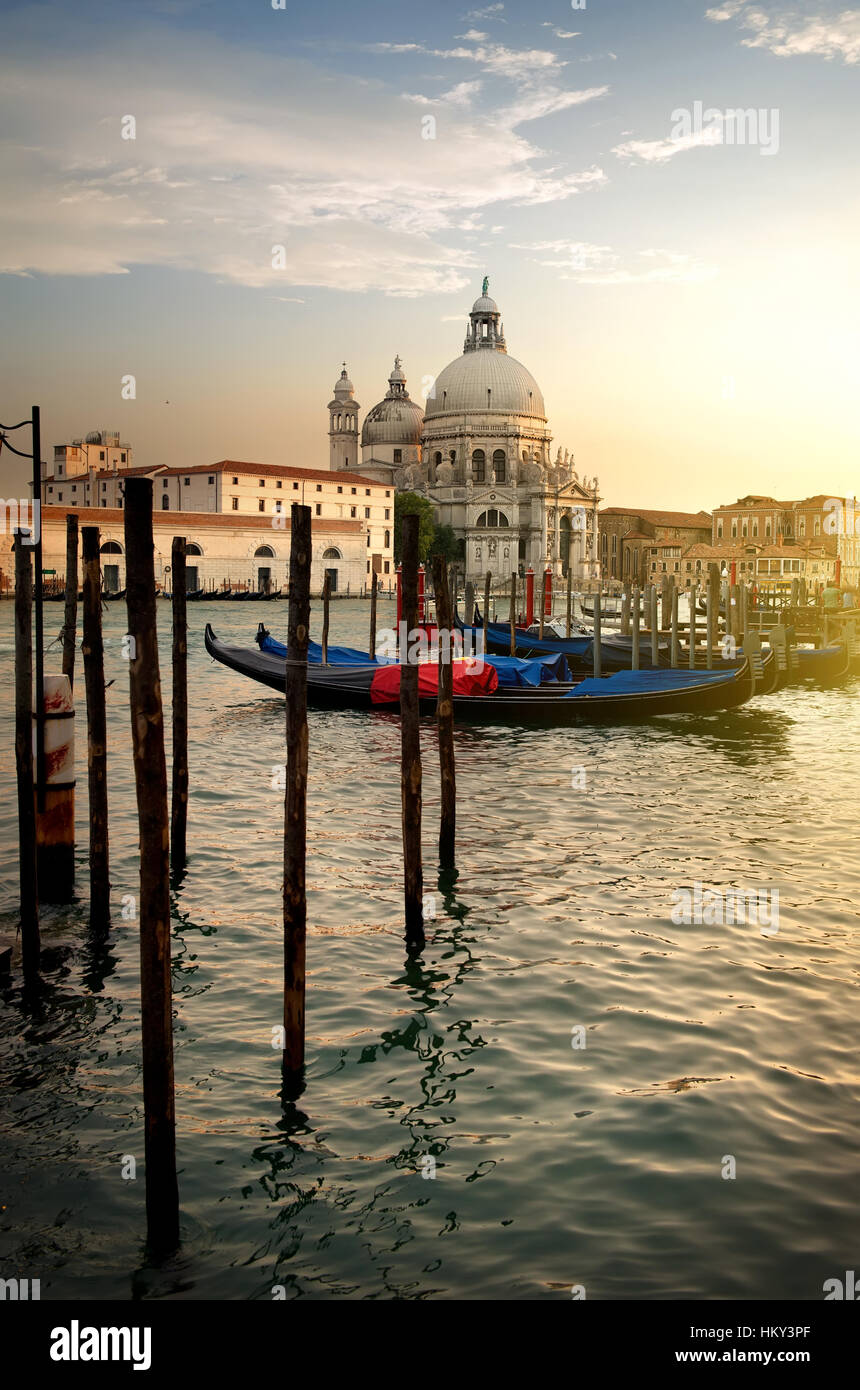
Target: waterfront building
column 237, row 489
column 251, row 552
column 763, row 518
column 635, row 545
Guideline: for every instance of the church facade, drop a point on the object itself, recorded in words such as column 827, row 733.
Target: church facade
column 481, row 453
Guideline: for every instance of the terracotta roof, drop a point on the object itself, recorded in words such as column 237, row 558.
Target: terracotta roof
column 282, row 470
column 196, row 521
column 269, row 470
column 699, row 520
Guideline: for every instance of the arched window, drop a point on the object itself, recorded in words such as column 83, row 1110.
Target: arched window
column 192, row 548
column 479, row 464
column 111, row 548
column 499, row 461
column 492, row 519
column 165, row 501
column 438, row 460
column 387, row 540
column 332, row 553
column 264, row 552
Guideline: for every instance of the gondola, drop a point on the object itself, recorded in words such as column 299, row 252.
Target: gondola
column 615, row 650
column 822, row 665
column 624, row 696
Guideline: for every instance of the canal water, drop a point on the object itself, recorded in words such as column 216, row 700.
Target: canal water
column 455, row 1138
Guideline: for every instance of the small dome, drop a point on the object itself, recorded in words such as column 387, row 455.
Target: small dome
column 343, row 383
column 485, row 305
column 393, row 421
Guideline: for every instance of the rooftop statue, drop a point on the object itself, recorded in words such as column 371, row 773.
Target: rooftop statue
column 486, row 285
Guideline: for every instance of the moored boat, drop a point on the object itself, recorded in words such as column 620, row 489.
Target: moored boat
column 478, row 695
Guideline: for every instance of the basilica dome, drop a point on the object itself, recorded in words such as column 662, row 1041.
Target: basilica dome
column 480, row 381
column 397, row 419
column 485, row 378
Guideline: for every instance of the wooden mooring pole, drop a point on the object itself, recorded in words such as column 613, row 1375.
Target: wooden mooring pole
column 295, row 799
column 675, row 644
column 70, row 616
column 596, row 643
column 179, row 788
column 150, row 775
column 445, row 716
column 634, row 658
column 569, row 599
column 542, row 599
column 326, row 598
column 488, row 578
column 30, row 942
column 410, row 743
column 92, row 650
column 694, row 599
column 655, row 631
column 371, row 646
column 514, row 613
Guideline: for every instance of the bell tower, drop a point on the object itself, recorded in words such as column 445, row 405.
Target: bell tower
column 343, row 426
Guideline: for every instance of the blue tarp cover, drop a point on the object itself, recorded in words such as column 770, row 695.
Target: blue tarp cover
column 644, row 682
column 512, row 670
column 517, row 670
column 338, row 656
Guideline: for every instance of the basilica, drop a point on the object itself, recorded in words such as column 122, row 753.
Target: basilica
column 480, row 452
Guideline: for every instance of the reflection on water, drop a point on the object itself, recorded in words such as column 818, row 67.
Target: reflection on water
column 449, row 1141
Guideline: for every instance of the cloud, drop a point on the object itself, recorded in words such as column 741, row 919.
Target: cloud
column 488, row 12
column 461, row 95
column 658, row 151
column 789, row 34
column 233, row 158
column 587, row 264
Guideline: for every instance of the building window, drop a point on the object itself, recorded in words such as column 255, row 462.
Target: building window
column 187, row 482
column 261, row 505
column 386, row 567
column 165, row 501
column 319, row 508
column 387, row 545
column 102, row 455
column 279, row 483
column 367, row 492
column 340, row 489
column 235, row 503
column 479, row 465
column 210, row 480
column 499, row 462
column 235, row 482
column 387, row 513
column 122, row 456
column 353, row 491
column 59, row 497
column 50, row 489
column 295, row 487
column 720, row 531
column 387, row 492
column 353, row 511
column 368, row 540
column 367, row 513
column 398, row 455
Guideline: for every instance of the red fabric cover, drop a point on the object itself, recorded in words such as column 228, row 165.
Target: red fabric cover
column 385, row 688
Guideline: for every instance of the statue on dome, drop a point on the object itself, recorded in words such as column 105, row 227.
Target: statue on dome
column 485, row 289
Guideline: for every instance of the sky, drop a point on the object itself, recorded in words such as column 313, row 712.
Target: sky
column 682, row 282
